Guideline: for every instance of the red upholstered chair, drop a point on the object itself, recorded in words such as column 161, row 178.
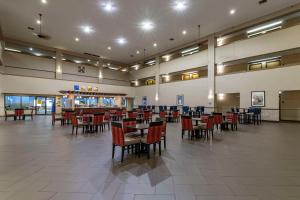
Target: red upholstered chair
column 132, row 115
column 98, row 122
column 129, row 122
column 77, row 124
column 164, row 134
column 187, row 125
column 162, row 115
column 175, row 115
column 56, row 117
column 147, row 117
column 67, row 117
column 153, row 137
column 232, row 119
column 208, row 127
column 107, row 119
column 218, row 120
column 119, row 139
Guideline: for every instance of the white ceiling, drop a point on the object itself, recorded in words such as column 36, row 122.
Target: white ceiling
column 62, row 19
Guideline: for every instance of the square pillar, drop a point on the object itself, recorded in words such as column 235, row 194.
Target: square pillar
column 58, row 65
column 211, row 71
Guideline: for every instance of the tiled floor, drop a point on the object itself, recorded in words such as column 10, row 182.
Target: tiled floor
column 41, row 162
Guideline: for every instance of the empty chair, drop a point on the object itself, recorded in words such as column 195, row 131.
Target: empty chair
column 187, row 125
column 77, row 124
column 129, row 122
column 218, row 120
column 98, row 122
column 119, row 139
column 153, row 137
column 208, row 127
column 56, row 117
column 175, row 115
column 162, row 115
column 147, row 117
column 232, row 119
column 132, row 114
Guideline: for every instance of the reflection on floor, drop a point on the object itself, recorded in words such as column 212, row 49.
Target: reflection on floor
column 40, row 162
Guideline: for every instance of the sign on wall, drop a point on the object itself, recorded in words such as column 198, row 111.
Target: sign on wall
column 144, row 100
column 180, row 100
column 76, row 87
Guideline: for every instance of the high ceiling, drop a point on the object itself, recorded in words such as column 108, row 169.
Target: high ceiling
column 62, row 20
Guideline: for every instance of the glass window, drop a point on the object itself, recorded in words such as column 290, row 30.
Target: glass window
column 12, row 102
column 27, row 102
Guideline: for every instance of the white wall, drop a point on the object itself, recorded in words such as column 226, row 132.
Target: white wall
column 272, row 42
column 184, row 63
column 271, row 81
column 1, row 96
column 148, row 91
column 194, row 91
column 29, row 85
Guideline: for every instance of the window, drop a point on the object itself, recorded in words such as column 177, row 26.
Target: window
column 12, row 102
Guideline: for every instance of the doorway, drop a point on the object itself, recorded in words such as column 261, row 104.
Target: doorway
column 44, row 105
column 226, row 101
column 289, row 105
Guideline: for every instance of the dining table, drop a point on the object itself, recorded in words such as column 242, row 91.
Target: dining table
column 139, row 127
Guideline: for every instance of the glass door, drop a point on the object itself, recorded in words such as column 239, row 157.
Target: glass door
column 49, row 105
column 40, row 105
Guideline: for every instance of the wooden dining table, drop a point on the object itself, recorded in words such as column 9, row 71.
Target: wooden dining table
column 198, row 121
column 140, row 127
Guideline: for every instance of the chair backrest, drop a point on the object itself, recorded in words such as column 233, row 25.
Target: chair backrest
column 146, row 115
column 210, row 122
column 218, row 118
column 53, row 116
column 204, row 118
column 185, row 109
column 186, row 123
column 68, row 115
column 129, row 122
column 164, row 128
column 175, row 113
column 98, row 119
column 19, row 112
column 232, row 118
column 117, row 134
column 162, row 114
column 154, row 132
column 74, row 120
column 132, row 115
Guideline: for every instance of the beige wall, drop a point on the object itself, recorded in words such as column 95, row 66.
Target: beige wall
column 1, row 96
column 224, row 102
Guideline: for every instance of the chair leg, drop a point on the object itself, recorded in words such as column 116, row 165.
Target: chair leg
column 182, row 134
column 72, row 130
column 154, row 148
column 159, row 148
column 76, row 130
column 113, row 151
column 122, row 157
column 148, row 151
column 165, row 142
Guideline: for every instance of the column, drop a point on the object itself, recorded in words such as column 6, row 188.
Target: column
column 211, row 71
column 58, row 65
column 1, row 77
column 157, row 81
column 100, row 67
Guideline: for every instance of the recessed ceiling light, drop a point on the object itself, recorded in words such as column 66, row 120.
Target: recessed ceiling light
column 89, row 60
column 38, row 21
column 232, row 11
column 180, row 5
column 109, row 6
column 109, row 47
column 137, row 52
column 77, row 61
column 63, row 59
column 54, row 57
column 108, row 64
column 38, row 54
column 87, row 29
column 44, row 1
column 147, row 25
column 124, row 70
column 30, row 49
column 184, row 32
column 155, row 44
column 77, row 39
column 121, row 40
column 14, row 50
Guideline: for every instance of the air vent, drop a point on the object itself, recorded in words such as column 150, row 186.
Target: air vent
column 262, row 2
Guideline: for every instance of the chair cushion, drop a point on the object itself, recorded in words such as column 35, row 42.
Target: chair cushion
column 132, row 140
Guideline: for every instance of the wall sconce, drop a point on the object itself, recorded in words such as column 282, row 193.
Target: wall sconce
column 220, row 69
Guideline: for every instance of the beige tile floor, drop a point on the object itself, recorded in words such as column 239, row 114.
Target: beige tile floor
column 41, row 162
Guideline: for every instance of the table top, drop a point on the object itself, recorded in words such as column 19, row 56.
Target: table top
column 197, row 119
column 139, row 126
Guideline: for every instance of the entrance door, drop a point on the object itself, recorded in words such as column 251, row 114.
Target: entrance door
column 40, row 105
column 49, row 105
column 290, row 105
